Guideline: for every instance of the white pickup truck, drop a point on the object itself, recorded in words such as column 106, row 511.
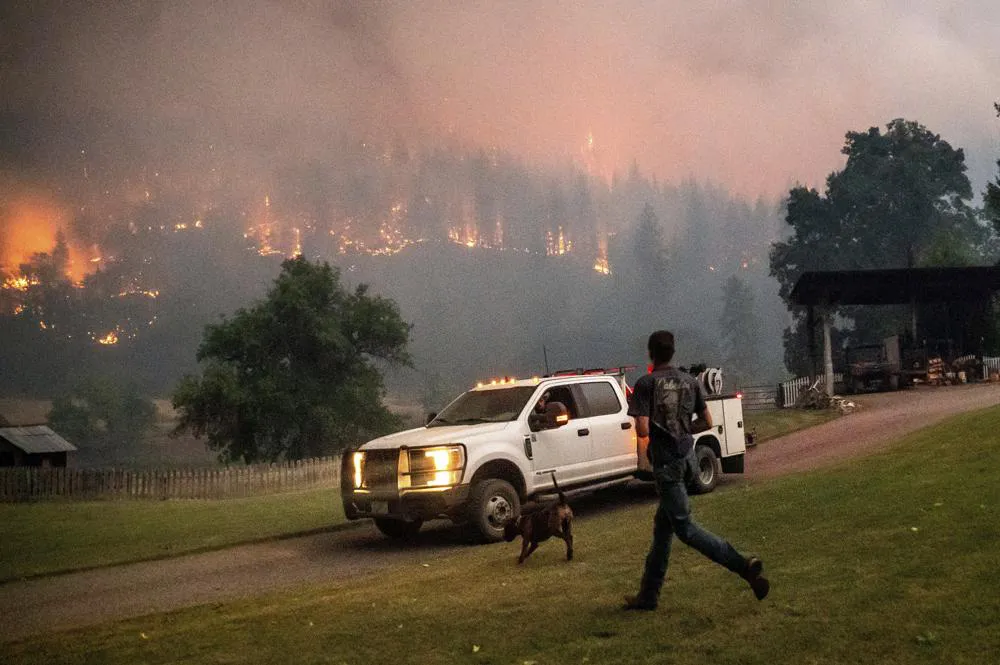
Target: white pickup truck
column 491, row 449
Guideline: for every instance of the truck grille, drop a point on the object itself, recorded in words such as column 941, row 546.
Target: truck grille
column 381, row 470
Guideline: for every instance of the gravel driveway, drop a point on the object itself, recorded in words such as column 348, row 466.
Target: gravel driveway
column 80, row 599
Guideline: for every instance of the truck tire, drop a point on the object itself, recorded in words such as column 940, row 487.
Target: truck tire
column 492, row 503
column 706, row 473
column 398, row 529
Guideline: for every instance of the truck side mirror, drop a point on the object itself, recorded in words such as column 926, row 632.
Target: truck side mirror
column 555, row 416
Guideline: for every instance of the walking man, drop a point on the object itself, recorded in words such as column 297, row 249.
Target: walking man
column 663, row 404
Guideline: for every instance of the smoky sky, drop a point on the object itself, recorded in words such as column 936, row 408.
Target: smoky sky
column 753, row 95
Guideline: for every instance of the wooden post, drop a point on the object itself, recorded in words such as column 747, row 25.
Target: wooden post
column 827, row 350
column 811, row 330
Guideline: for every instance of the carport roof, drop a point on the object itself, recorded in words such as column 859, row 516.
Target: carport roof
column 895, row 286
column 35, row 439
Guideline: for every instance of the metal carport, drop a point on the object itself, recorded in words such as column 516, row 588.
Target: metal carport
column 826, row 290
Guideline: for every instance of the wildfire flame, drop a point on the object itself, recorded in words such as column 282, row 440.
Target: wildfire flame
column 601, row 263
column 557, row 244
column 19, row 283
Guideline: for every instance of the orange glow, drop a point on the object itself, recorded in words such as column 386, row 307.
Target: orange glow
column 30, row 226
column 109, row 339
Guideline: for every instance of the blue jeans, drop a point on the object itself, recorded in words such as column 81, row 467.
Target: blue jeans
column 673, row 517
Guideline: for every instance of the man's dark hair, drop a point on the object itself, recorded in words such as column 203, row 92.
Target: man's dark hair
column 661, row 346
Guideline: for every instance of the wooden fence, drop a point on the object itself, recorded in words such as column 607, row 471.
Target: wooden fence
column 34, row 483
column 991, row 366
column 759, row 398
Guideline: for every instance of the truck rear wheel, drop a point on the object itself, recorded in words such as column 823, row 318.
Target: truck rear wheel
column 706, row 471
column 492, row 503
column 398, row 529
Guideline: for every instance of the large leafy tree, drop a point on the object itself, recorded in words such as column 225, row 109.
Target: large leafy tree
column 901, row 191
column 991, row 197
column 296, row 374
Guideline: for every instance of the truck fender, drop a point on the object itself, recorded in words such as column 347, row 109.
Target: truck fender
column 504, row 468
column 710, row 441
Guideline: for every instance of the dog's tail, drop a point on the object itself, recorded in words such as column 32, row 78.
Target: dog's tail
column 562, row 497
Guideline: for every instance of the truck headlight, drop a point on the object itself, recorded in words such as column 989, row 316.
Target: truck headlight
column 359, row 469
column 436, row 467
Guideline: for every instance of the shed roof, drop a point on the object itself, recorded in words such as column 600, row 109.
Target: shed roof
column 896, row 286
column 34, row 439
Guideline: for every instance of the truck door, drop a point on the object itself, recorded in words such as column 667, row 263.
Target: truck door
column 611, row 429
column 566, row 450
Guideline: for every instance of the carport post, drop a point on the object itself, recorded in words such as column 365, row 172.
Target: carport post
column 826, row 315
column 811, row 329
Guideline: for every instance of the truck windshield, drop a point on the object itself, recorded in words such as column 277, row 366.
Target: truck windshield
column 484, row 406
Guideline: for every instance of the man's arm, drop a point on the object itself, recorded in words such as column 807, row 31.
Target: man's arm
column 701, row 406
column 639, row 408
column 706, row 415
column 642, row 426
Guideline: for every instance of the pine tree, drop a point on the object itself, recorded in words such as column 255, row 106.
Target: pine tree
column 740, row 329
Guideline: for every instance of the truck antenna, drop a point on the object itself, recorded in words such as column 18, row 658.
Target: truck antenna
column 545, row 355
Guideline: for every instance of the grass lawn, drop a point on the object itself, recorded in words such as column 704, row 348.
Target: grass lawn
column 772, row 423
column 53, row 536
column 890, row 560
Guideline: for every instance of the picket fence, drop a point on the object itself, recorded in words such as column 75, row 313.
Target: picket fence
column 991, row 366
column 34, row 483
column 790, row 390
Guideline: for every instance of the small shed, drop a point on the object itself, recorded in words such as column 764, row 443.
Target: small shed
column 33, row 445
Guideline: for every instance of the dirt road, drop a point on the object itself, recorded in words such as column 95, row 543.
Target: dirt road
column 882, row 419
column 330, row 559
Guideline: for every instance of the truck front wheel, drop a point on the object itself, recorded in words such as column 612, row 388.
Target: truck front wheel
column 492, row 503
column 398, row 529
column 706, row 471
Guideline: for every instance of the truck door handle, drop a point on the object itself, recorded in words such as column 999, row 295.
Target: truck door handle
column 626, row 425
column 582, row 432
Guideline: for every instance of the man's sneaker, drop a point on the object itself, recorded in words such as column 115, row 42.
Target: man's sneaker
column 760, row 587
column 753, row 570
column 637, row 602
column 752, row 575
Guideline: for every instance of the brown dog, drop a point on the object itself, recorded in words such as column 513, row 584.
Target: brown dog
column 553, row 520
